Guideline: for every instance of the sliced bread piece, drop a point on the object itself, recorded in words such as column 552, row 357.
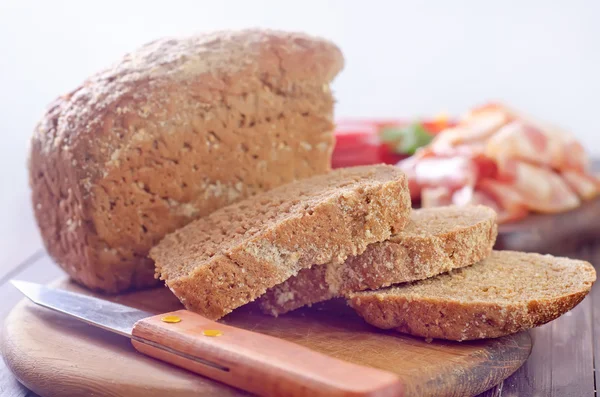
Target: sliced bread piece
column 503, row 294
column 435, row 241
column 233, row 255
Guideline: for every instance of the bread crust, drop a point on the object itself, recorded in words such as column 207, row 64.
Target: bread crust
column 457, row 318
column 231, row 257
column 436, row 240
column 172, row 132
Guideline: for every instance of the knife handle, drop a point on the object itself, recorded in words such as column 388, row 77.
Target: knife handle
column 255, row 362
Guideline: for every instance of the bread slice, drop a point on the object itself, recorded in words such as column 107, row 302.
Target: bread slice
column 173, row 131
column 503, row 294
column 435, row 240
column 232, row 256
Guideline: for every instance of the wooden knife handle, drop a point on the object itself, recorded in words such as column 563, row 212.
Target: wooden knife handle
column 256, row 362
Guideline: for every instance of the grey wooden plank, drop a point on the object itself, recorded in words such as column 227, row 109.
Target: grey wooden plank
column 595, row 298
column 9, row 386
column 572, row 356
column 38, row 269
column 562, row 359
column 19, row 237
column 534, row 378
column 8, row 275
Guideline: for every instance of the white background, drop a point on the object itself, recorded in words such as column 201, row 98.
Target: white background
column 403, row 58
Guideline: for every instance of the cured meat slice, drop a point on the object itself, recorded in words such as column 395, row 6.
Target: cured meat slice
column 498, row 157
column 586, row 186
column 542, row 189
column 547, row 147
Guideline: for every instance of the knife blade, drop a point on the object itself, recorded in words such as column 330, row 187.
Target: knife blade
column 100, row 313
column 107, row 315
column 255, row 362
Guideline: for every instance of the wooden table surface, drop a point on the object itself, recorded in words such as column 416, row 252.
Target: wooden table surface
column 561, row 363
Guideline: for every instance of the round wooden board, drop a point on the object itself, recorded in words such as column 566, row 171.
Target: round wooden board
column 55, row 355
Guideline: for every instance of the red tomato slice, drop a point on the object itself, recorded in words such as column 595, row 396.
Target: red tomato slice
column 365, row 156
column 357, row 143
column 355, row 136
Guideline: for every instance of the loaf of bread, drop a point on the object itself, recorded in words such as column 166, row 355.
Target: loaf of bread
column 503, row 294
column 435, row 240
column 171, row 133
column 232, row 256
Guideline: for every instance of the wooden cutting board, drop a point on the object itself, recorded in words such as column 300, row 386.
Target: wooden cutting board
column 54, row 355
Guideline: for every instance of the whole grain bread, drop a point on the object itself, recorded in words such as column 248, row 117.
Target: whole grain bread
column 503, row 294
column 434, row 241
column 231, row 257
column 174, row 131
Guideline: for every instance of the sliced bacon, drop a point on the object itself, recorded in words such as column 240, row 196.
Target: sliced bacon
column 436, row 196
column 542, row 189
column 408, row 166
column 535, row 137
column 575, row 157
column 510, row 205
column 503, row 193
column 486, row 167
column 528, row 142
column 505, row 216
column 463, row 196
column 470, row 149
column 472, row 131
column 586, row 186
column 507, row 168
column 498, row 157
column 452, row 172
column 476, row 127
column 482, row 198
column 520, row 141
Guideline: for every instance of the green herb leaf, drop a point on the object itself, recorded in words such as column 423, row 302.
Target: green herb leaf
column 391, row 134
column 406, row 139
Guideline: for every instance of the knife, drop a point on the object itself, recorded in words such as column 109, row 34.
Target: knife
column 255, row 362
